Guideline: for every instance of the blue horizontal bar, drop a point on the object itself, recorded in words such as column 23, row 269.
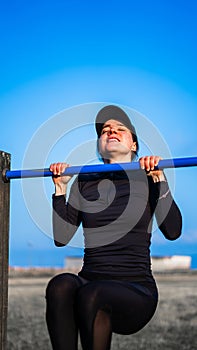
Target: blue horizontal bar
column 97, row 168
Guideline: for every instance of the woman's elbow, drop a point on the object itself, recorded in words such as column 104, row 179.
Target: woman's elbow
column 172, row 236
column 59, row 244
column 173, row 232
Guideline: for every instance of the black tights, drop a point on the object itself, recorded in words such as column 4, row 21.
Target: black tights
column 95, row 309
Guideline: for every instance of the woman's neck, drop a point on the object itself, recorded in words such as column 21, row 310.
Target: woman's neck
column 120, row 159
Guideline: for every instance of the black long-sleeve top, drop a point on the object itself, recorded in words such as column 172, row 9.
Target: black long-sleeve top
column 116, row 211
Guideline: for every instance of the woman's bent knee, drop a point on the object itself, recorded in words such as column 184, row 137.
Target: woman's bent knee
column 61, row 285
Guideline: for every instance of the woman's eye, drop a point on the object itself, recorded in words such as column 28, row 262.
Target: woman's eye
column 121, row 129
column 104, row 131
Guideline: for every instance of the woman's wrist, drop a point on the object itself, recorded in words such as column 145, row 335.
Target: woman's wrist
column 60, row 189
column 157, row 176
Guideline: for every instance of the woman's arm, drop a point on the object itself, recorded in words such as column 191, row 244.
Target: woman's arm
column 66, row 217
column 166, row 211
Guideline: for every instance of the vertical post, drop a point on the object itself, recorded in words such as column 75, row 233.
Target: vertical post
column 5, row 159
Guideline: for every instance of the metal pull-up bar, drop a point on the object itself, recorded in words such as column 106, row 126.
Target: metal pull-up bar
column 7, row 175
column 97, row 168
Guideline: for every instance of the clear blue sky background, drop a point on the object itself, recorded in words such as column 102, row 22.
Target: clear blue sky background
column 59, row 54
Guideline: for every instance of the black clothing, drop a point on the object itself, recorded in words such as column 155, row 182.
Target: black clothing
column 73, row 303
column 116, row 211
column 117, row 222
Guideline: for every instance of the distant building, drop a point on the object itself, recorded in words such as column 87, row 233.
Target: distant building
column 169, row 263
column 73, row 263
column 165, row 263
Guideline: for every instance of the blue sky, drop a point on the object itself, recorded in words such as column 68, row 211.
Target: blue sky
column 56, row 55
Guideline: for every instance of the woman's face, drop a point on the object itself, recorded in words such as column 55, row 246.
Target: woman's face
column 116, row 141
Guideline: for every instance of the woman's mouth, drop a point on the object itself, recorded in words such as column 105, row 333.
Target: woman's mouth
column 113, row 139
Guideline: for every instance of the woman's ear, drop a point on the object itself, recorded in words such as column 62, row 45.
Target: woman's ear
column 133, row 148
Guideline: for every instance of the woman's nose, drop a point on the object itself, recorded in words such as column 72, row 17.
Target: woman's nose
column 112, row 130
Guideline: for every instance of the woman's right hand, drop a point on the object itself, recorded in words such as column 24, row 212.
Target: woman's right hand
column 60, row 181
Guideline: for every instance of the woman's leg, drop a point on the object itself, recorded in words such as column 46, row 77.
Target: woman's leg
column 104, row 307
column 102, row 332
column 94, row 318
column 60, row 313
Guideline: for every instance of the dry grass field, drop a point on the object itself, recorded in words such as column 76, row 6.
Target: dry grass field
column 174, row 326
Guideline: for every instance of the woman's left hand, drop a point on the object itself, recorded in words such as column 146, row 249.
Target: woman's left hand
column 148, row 163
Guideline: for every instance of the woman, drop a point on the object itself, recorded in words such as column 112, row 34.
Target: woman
column 115, row 290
